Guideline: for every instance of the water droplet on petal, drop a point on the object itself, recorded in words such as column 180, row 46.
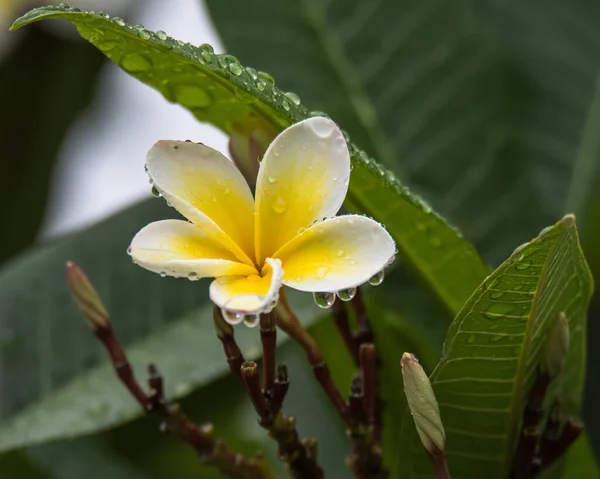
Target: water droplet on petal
column 346, row 294
column 155, row 192
column 163, row 273
column 324, row 300
column 497, row 294
column 232, row 317
column 129, row 251
column 252, row 72
column 272, row 179
column 266, row 77
column 322, row 272
column 252, row 320
column 322, row 127
column 193, row 276
column 280, row 205
column 377, row 279
column 135, row 63
column 119, row 21
column 285, row 105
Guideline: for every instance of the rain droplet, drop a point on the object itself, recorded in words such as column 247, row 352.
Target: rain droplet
column 285, row 105
column 104, row 14
column 260, row 158
column 206, row 56
column 161, row 35
column 232, row 317
column 193, row 276
column 295, row 99
column 155, row 192
column 322, row 272
column 322, row 127
column 207, row 47
column 471, row 339
column 252, row 72
column 377, row 279
column 524, row 265
column 490, row 316
column 272, row 179
column 346, row 294
column 319, row 113
column 280, row 205
column 252, row 320
column 143, row 34
column 519, row 248
column 324, row 300
column 267, row 78
column 497, row 294
column 119, row 21
column 236, row 69
column 135, row 63
column 163, row 273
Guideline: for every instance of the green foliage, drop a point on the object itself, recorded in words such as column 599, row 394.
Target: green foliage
column 492, row 353
column 219, row 90
column 489, row 109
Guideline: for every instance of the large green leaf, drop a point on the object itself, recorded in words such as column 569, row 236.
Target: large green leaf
column 54, row 380
column 219, row 90
column 484, row 107
column 492, row 352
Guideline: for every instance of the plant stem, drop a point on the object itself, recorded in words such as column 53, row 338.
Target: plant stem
column 224, row 330
column 340, row 317
column 268, row 337
column 440, row 465
column 210, row 450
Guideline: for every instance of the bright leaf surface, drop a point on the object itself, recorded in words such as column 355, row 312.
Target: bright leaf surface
column 492, row 352
column 219, row 90
column 53, row 377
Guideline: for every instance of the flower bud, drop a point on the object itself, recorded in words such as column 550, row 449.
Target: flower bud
column 86, row 298
column 422, row 404
column 556, row 347
column 248, row 141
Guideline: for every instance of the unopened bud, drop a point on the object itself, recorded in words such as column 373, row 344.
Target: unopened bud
column 86, row 298
column 422, row 404
column 556, row 347
column 248, row 141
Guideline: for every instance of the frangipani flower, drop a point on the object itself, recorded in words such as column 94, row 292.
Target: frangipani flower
column 287, row 235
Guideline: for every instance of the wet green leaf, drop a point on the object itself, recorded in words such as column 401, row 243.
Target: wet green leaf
column 492, row 352
column 219, row 90
column 54, row 379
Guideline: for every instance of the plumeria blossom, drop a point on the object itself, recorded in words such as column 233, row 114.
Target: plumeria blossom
column 288, row 234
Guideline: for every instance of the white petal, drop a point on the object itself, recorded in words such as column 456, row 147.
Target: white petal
column 249, row 294
column 180, row 249
column 204, row 185
column 303, row 177
column 336, row 254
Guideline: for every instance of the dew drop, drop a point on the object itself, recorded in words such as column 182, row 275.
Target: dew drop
column 496, row 338
column 135, row 63
column 207, row 47
column 193, row 276
column 490, row 316
column 324, row 300
column 192, row 96
column 129, row 251
column 143, row 34
column 300, row 230
column 340, row 253
column 206, row 56
column 497, row 294
column 252, row 320
column 295, row 99
column 285, row 105
column 260, row 158
column 252, row 72
column 322, row 272
column 232, row 317
column 104, row 14
column 471, row 339
column 319, row 114
column 346, row 294
column 280, row 205
column 155, row 192
column 266, row 77
column 524, row 265
column 236, row 69
column 519, row 248
column 272, row 179
column 322, row 127
column 377, row 279
column 163, row 273
column 161, row 35
column 119, row 21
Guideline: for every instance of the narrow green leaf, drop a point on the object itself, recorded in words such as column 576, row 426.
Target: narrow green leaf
column 492, row 352
column 219, row 90
column 54, row 379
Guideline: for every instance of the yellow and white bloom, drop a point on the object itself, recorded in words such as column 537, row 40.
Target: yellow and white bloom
column 287, row 235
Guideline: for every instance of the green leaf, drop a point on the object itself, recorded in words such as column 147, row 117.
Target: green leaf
column 580, row 462
column 54, row 378
column 481, row 106
column 492, row 352
column 219, row 90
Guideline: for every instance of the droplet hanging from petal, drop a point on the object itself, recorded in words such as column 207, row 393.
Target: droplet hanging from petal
column 232, row 317
column 324, row 300
column 252, row 320
column 346, row 294
column 377, row 279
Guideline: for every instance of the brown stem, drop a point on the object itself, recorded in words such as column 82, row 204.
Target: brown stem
column 224, row 330
column 440, row 465
column 554, row 447
column 210, row 450
column 365, row 334
column 340, row 317
column 368, row 368
column 289, row 323
column 268, row 337
column 252, row 382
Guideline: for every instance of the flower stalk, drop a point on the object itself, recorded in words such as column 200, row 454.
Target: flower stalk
column 210, row 450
